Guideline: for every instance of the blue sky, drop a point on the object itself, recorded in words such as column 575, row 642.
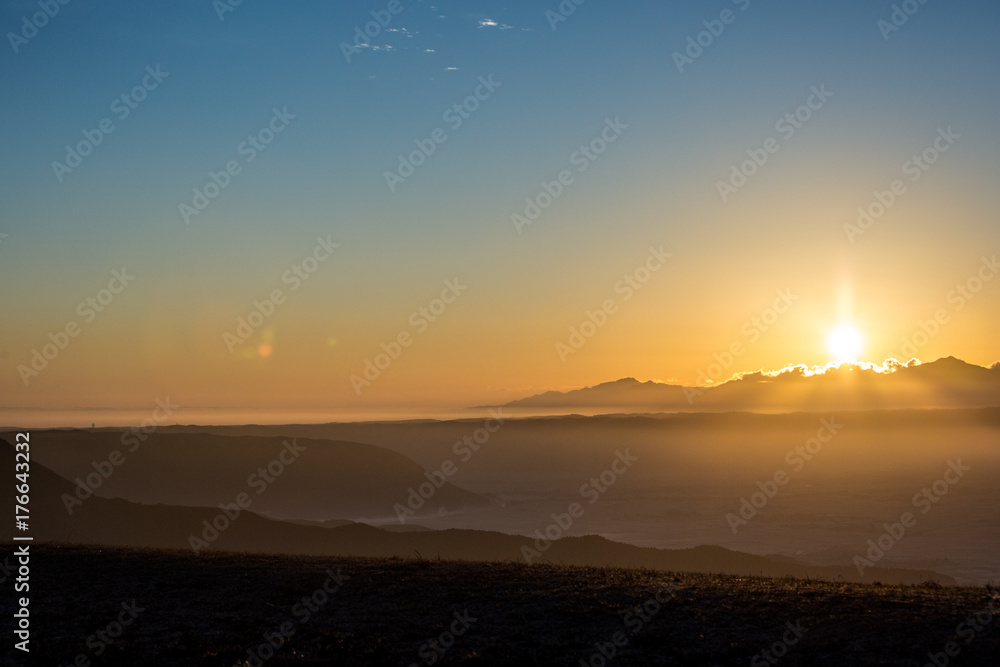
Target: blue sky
column 324, row 174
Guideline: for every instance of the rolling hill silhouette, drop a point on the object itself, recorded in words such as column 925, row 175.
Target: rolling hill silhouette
column 104, row 521
column 316, row 479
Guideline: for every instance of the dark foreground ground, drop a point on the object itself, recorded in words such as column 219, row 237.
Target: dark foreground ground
column 132, row 607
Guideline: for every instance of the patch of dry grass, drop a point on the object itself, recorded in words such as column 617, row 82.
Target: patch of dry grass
column 213, row 609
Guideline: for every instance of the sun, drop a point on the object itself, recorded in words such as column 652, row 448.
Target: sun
column 844, row 343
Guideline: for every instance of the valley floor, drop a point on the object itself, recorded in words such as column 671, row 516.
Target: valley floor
column 114, row 606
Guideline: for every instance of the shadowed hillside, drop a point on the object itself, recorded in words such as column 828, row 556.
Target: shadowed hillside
column 101, row 521
column 286, row 477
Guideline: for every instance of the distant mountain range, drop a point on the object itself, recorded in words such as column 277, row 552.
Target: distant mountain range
column 945, row 383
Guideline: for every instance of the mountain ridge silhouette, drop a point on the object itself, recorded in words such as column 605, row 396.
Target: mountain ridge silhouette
column 948, row 382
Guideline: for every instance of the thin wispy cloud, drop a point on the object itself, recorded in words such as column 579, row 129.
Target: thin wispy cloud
column 490, row 23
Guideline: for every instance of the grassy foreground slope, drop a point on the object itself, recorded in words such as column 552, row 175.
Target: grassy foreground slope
column 220, row 609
